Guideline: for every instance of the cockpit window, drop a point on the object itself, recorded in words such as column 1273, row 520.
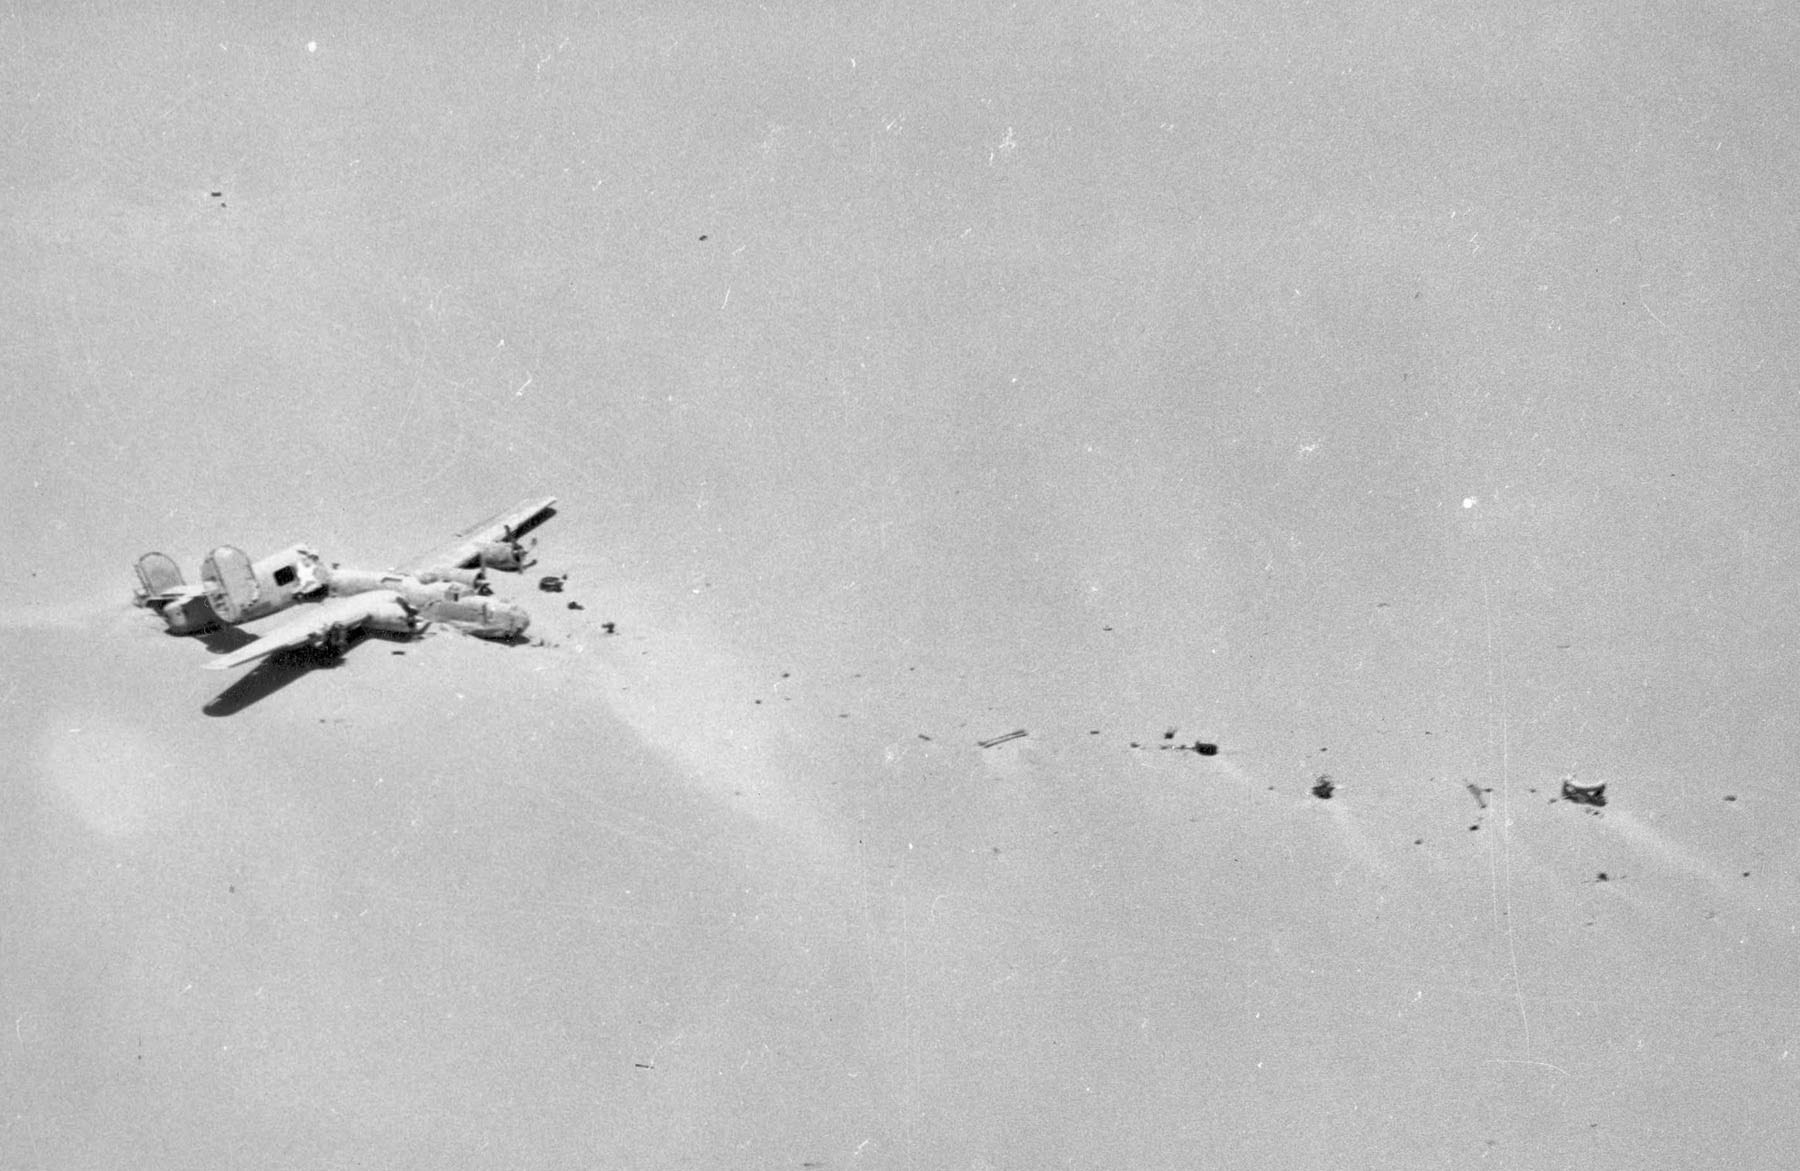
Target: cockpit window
column 285, row 575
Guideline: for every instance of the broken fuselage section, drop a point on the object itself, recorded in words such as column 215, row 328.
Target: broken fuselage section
column 232, row 588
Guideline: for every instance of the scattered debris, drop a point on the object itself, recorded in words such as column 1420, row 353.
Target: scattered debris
column 1169, row 735
column 1602, row 877
column 576, row 606
column 1477, row 792
column 1731, row 796
column 1203, row 747
column 1583, row 794
column 997, row 740
column 551, row 583
column 1324, row 787
column 609, row 628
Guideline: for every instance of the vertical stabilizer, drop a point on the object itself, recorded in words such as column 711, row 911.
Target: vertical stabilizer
column 230, row 583
column 159, row 575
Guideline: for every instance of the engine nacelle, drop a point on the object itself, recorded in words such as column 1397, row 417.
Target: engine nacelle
column 474, row 579
column 507, row 555
column 394, row 617
column 418, row 591
column 482, row 617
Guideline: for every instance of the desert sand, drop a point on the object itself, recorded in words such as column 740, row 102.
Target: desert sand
column 1400, row 397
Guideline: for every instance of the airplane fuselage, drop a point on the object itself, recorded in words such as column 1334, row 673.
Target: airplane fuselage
column 447, row 585
column 232, row 589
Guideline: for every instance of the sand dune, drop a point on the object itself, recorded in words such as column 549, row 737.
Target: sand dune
column 1398, row 400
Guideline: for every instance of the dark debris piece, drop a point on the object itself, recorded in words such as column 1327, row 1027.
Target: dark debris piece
column 576, row 606
column 1584, row 794
column 609, row 627
column 1324, row 787
column 551, row 584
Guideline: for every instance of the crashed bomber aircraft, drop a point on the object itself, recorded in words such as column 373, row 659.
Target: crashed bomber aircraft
column 447, row 585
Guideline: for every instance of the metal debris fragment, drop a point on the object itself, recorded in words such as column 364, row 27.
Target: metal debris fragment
column 1583, row 794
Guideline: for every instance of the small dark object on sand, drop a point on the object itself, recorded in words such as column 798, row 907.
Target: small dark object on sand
column 576, row 606
column 610, row 627
column 1324, row 787
column 1204, row 748
column 551, row 584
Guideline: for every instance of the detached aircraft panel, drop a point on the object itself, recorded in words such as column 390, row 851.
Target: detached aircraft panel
column 505, row 525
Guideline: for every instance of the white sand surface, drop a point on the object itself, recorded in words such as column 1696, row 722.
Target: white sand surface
column 1404, row 396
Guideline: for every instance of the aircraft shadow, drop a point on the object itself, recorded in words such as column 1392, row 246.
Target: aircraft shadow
column 271, row 675
column 221, row 640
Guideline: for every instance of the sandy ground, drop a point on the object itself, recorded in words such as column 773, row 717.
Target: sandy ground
column 1401, row 396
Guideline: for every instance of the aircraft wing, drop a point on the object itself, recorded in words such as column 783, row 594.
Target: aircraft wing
column 313, row 623
column 466, row 549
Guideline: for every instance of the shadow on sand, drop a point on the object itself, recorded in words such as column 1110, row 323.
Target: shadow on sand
column 220, row 640
column 270, row 676
column 285, row 667
column 274, row 673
